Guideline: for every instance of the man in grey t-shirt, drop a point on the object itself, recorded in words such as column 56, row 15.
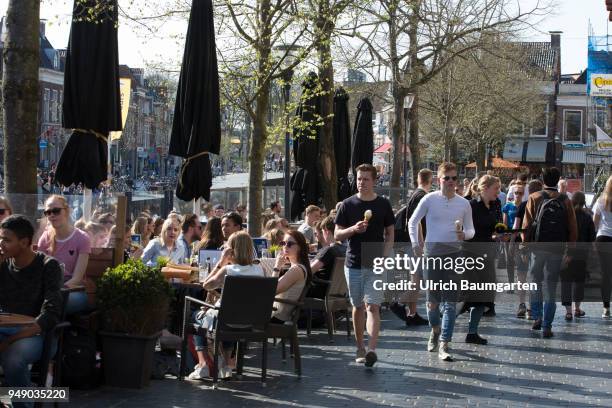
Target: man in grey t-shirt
column 312, row 215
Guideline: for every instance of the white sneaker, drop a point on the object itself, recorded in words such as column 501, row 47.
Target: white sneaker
column 199, row 373
column 225, row 372
column 606, row 313
column 432, row 344
column 443, row 353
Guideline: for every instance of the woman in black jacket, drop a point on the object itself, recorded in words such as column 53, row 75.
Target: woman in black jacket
column 485, row 214
column 575, row 271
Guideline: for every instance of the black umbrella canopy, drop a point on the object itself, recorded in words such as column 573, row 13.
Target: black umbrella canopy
column 363, row 137
column 92, row 102
column 196, row 129
column 304, row 181
column 342, row 142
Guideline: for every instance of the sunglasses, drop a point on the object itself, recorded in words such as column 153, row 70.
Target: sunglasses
column 3, row 211
column 519, row 193
column 288, row 244
column 446, row 178
column 54, row 211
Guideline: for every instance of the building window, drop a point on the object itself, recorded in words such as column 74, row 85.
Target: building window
column 572, row 126
column 45, row 109
column 60, row 101
column 539, row 125
column 53, row 114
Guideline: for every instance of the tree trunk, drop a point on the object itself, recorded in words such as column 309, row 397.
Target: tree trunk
column 398, row 91
column 327, row 159
column 260, row 128
column 20, row 98
column 397, row 133
column 415, row 150
column 480, row 157
column 256, row 162
column 415, row 75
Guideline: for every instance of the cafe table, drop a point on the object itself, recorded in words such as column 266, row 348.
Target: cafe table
column 13, row 319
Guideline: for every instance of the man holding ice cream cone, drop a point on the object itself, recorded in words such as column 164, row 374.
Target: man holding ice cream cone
column 366, row 220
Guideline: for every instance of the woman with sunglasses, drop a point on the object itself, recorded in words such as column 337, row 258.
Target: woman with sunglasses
column 70, row 246
column 292, row 283
column 6, row 209
column 166, row 245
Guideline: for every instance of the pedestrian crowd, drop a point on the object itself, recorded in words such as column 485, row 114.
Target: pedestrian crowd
column 538, row 232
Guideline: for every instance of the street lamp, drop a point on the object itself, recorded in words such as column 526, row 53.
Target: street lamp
column 288, row 53
column 408, row 101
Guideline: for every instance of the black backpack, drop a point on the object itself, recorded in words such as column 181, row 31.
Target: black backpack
column 403, row 215
column 79, row 369
column 550, row 223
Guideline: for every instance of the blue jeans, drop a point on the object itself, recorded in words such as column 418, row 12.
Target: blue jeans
column 544, row 271
column 199, row 341
column 77, row 302
column 475, row 315
column 361, row 289
column 16, row 358
column 448, row 298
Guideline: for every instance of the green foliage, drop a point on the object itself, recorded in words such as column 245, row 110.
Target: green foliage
column 134, row 298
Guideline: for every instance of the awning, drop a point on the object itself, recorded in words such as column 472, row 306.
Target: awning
column 536, row 151
column 383, row 148
column 597, row 159
column 513, row 150
column 498, row 163
column 577, row 156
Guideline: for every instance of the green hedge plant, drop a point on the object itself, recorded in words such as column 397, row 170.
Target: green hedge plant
column 134, row 299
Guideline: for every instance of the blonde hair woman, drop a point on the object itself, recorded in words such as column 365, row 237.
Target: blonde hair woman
column 236, row 260
column 485, row 217
column 98, row 234
column 6, row 209
column 69, row 245
column 603, row 224
column 166, row 245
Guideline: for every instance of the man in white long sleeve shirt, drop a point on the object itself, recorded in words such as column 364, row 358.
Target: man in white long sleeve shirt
column 449, row 223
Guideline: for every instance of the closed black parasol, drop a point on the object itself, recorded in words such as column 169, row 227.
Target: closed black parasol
column 91, row 105
column 342, row 142
column 196, row 129
column 305, row 181
column 363, row 138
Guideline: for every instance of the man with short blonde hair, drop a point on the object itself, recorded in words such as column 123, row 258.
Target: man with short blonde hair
column 312, row 215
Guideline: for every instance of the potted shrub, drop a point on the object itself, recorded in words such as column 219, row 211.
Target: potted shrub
column 134, row 300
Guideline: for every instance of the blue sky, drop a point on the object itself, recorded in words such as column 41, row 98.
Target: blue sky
column 571, row 16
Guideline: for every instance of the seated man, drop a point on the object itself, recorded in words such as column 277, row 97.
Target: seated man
column 323, row 264
column 30, row 285
column 312, row 215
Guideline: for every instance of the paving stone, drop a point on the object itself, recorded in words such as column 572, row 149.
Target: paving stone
column 517, row 368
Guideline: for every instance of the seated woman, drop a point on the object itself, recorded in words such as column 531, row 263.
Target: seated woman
column 70, row 246
column 323, row 264
column 274, row 237
column 166, row 245
column 291, row 284
column 236, row 260
column 212, row 237
column 98, row 234
column 129, row 249
column 141, row 227
column 6, row 210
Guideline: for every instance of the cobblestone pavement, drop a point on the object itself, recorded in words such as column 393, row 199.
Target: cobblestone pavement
column 517, row 368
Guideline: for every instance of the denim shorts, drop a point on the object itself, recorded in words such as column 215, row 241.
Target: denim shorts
column 361, row 286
